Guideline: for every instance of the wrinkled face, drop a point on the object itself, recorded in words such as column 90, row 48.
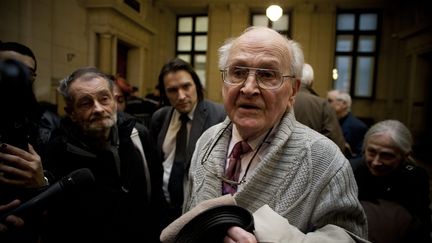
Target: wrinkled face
column 26, row 60
column 94, row 106
column 181, row 90
column 382, row 158
column 255, row 110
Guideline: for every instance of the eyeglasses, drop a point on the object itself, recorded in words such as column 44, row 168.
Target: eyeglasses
column 330, row 100
column 266, row 78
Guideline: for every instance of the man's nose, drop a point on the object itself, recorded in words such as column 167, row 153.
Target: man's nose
column 181, row 94
column 251, row 81
column 376, row 160
column 97, row 106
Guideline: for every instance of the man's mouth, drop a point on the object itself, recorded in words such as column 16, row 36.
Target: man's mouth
column 248, row 106
column 95, row 119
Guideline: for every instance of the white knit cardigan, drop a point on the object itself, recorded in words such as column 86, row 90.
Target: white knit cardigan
column 304, row 177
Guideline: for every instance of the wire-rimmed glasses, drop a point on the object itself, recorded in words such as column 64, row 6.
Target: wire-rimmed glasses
column 266, row 78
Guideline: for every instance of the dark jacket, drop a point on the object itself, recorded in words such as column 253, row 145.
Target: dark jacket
column 113, row 209
column 316, row 113
column 353, row 130
column 408, row 187
column 206, row 114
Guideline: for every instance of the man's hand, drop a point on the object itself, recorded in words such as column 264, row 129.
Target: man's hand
column 239, row 235
column 11, row 221
column 20, row 168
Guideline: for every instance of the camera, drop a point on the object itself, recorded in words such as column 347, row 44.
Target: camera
column 16, row 103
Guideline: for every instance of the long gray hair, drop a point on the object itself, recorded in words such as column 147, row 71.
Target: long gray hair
column 400, row 135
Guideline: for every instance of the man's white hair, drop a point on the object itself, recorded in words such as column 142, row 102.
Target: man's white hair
column 345, row 97
column 308, row 75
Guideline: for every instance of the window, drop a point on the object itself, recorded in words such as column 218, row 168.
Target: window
column 192, row 42
column 134, row 4
column 281, row 25
column 356, row 52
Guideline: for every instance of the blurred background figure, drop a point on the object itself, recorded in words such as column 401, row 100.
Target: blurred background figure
column 119, row 98
column 25, row 129
column 176, row 128
column 394, row 191
column 353, row 128
column 140, row 108
column 154, row 96
column 315, row 112
column 43, row 120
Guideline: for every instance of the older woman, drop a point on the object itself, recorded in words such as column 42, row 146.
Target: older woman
column 393, row 190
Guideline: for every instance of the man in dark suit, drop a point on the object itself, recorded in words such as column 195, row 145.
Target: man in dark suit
column 183, row 97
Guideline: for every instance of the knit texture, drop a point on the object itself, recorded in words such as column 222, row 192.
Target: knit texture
column 303, row 177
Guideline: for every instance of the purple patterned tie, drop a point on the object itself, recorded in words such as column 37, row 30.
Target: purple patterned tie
column 234, row 167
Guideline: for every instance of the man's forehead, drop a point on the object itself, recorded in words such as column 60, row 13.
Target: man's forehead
column 89, row 84
column 180, row 77
column 265, row 47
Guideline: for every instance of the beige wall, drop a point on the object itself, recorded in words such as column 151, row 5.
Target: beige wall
column 67, row 34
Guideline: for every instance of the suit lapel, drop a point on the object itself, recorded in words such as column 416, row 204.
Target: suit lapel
column 200, row 116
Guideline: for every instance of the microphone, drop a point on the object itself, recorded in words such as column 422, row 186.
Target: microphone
column 78, row 177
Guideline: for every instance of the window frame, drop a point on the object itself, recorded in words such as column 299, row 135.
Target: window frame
column 193, row 34
column 286, row 33
column 354, row 54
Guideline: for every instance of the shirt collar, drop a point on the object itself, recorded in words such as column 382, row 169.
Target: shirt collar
column 237, row 138
column 176, row 115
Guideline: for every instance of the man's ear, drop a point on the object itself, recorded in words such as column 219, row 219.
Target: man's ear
column 295, row 89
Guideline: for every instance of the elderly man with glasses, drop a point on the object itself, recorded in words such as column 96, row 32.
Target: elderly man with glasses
column 269, row 162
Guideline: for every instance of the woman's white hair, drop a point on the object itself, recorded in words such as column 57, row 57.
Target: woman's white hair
column 400, row 135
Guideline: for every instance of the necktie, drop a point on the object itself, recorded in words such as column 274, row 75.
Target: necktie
column 175, row 184
column 234, row 167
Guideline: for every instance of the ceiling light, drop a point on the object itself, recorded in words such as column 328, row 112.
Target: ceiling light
column 274, row 12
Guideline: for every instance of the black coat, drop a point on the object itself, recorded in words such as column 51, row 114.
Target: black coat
column 113, row 209
column 408, row 186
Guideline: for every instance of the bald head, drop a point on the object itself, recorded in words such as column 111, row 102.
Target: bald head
column 265, row 41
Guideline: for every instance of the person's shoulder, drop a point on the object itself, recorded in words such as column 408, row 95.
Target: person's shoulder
column 359, row 122
column 59, row 136
column 214, row 128
column 309, row 138
column 319, row 144
column 210, row 103
column 307, row 132
column 307, row 97
column 414, row 171
column 162, row 111
column 213, row 107
column 354, row 122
